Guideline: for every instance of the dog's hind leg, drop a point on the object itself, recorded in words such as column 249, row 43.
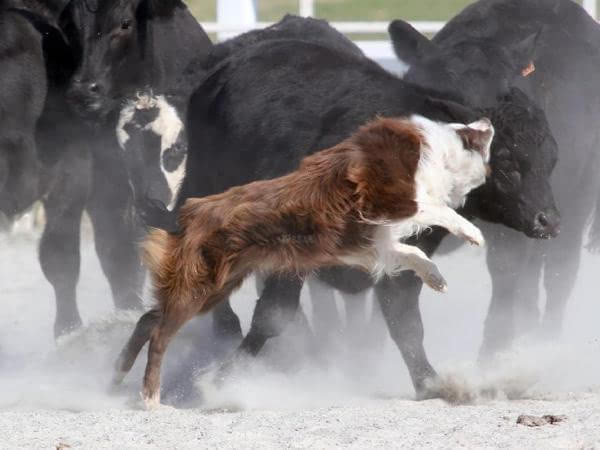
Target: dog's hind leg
column 275, row 309
column 172, row 318
column 138, row 339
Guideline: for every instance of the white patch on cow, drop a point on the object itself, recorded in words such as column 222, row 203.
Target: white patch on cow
column 174, row 180
column 142, row 101
column 124, row 118
column 169, row 126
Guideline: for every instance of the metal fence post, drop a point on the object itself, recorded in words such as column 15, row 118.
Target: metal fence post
column 591, row 7
column 236, row 14
column 306, row 8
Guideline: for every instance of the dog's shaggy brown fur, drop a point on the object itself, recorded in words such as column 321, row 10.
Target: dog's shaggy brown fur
column 324, row 213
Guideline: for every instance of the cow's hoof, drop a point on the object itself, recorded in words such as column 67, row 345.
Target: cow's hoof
column 452, row 389
column 117, row 379
column 225, row 371
column 64, row 326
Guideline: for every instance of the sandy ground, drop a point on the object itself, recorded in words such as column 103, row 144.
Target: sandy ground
column 56, row 393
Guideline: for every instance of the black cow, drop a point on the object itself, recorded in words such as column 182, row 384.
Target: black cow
column 29, row 33
column 119, row 47
column 264, row 108
column 58, row 160
column 552, row 54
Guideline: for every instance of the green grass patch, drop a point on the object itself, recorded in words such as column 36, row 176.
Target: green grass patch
column 347, row 10
column 272, row 10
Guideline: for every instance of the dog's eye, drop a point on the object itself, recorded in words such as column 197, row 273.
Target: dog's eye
column 126, row 24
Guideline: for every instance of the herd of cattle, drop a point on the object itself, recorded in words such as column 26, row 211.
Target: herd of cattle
column 124, row 109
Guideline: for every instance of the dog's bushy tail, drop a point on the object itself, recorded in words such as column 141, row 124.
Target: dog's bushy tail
column 154, row 250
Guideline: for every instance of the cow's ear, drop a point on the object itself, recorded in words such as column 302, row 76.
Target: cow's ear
column 454, row 111
column 161, row 8
column 409, row 45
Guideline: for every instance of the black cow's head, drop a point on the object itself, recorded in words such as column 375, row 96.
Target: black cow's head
column 480, row 69
column 524, row 152
column 115, row 39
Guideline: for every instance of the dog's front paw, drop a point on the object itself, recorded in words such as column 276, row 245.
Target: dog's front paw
column 434, row 279
column 473, row 235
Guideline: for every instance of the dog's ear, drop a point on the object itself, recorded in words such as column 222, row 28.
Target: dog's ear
column 476, row 136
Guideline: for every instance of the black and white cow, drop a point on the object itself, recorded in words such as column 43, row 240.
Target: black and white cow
column 552, row 53
column 119, row 48
column 266, row 106
column 151, row 134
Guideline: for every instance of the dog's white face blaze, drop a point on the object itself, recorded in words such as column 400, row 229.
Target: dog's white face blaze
column 167, row 125
column 447, row 171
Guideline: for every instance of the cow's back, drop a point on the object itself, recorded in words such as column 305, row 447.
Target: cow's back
column 315, row 96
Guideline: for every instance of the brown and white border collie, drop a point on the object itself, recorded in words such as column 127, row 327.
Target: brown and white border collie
column 352, row 204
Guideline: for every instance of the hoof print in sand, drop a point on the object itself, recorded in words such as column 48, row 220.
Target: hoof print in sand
column 538, row 421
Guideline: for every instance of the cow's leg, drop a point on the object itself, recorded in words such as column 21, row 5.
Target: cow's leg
column 353, row 285
column 562, row 264
column 226, row 323
column 116, row 233
column 398, row 298
column 59, row 246
column 513, row 277
column 141, row 335
column 356, row 314
column 275, row 309
column 326, row 320
column 399, row 301
column 526, row 304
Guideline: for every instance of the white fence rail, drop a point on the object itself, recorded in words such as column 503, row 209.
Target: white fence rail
column 239, row 16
